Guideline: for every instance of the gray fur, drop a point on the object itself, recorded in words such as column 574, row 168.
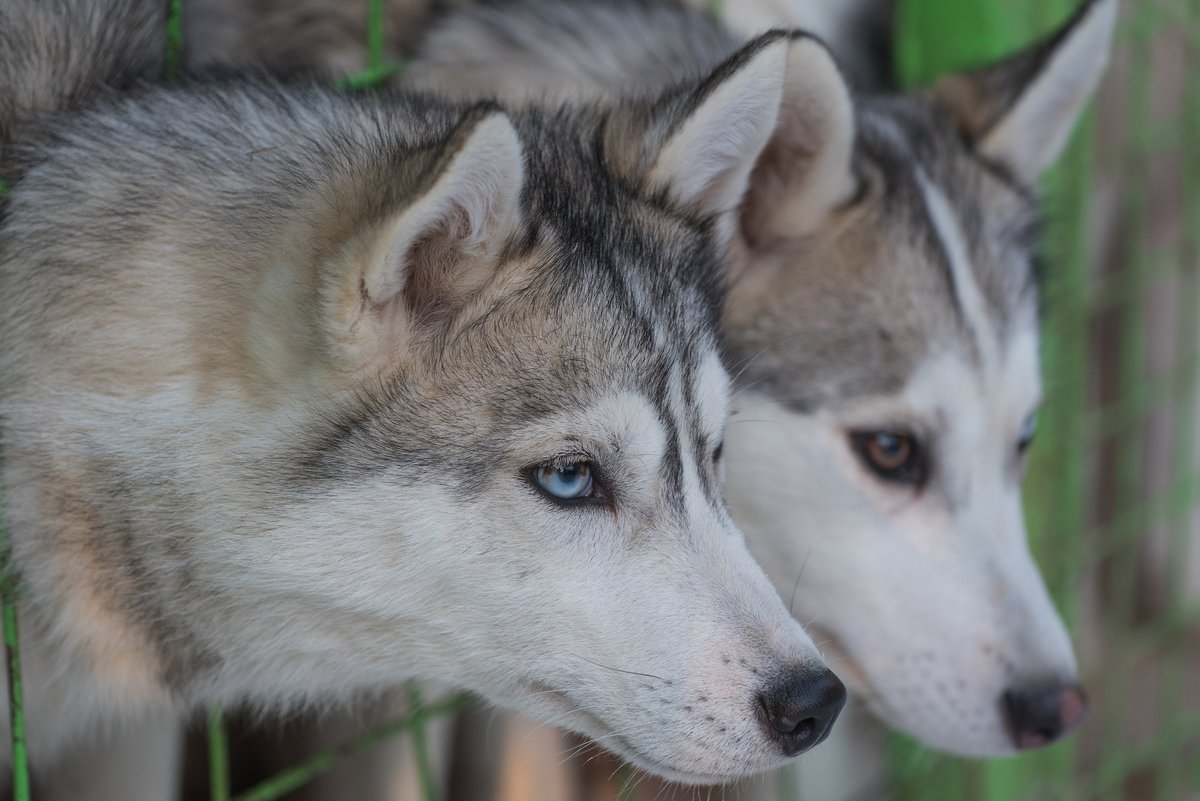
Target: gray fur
column 85, row 48
column 858, row 305
column 907, row 304
column 236, row 471
column 330, row 36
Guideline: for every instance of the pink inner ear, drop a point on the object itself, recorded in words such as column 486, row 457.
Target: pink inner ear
column 779, row 175
column 434, row 288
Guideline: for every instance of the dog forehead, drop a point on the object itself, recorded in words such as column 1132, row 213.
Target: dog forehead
column 938, row 251
column 918, row 151
column 572, row 333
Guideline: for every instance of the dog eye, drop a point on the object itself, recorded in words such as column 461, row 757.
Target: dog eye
column 1028, row 430
column 565, row 482
column 718, row 451
column 893, row 456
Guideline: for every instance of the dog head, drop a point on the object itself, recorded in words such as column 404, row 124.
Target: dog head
column 884, row 330
column 393, row 390
column 555, row 431
column 328, row 393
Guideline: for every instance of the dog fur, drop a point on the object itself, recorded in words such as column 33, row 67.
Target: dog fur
column 279, row 365
column 885, row 284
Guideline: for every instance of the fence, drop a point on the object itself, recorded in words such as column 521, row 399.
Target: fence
column 1112, row 496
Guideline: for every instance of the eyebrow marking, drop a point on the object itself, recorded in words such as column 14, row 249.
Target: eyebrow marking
column 967, row 293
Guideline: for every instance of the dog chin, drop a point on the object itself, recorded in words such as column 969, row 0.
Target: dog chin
column 558, row 709
column 857, row 678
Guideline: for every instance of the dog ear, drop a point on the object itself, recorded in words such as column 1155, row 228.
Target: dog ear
column 719, row 130
column 418, row 266
column 1020, row 112
column 805, row 171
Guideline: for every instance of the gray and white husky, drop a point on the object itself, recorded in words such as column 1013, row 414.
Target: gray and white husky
column 306, row 394
column 883, row 332
column 882, row 328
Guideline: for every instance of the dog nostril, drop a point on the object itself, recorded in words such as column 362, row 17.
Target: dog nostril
column 1038, row 716
column 789, row 724
column 799, row 708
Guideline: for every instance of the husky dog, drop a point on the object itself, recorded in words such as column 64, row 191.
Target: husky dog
column 305, row 394
column 883, row 330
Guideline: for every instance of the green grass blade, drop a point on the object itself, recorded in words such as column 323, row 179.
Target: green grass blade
column 218, row 757
column 12, row 652
column 420, row 735
column 375, row 34
column 16, row 702
column 370, row 78
column 379, row 70
column 174, row 40
column 285, row 782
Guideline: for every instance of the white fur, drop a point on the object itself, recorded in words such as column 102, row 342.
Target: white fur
column 810, row 175
column 966, row 288
column 931, row 604
column 707, row 161
column 556, row 602
column 481, row 187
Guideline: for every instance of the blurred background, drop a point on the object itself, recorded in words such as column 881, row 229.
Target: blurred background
column 1111, row 497
column 1113, row 494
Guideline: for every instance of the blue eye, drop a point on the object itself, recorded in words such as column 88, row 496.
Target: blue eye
column 1025, row 438
column 565, row 482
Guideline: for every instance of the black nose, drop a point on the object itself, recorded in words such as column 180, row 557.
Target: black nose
column 1038, row 716
column 798, row 708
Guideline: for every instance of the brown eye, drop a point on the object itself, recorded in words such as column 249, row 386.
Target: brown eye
column 894, row 456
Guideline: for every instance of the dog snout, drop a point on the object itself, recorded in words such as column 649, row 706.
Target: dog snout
column 799, row 707
column 1039, row 716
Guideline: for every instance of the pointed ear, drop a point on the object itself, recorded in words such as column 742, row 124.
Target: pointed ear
column 419, row 265
column 721, row 130
column 1021, row 111
column 806, row 170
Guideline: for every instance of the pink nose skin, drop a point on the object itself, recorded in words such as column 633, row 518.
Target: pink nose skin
column 1038, row 716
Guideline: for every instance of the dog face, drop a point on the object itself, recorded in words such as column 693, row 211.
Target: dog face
column 587, row 490
column 888, row 342
column 345, row 411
